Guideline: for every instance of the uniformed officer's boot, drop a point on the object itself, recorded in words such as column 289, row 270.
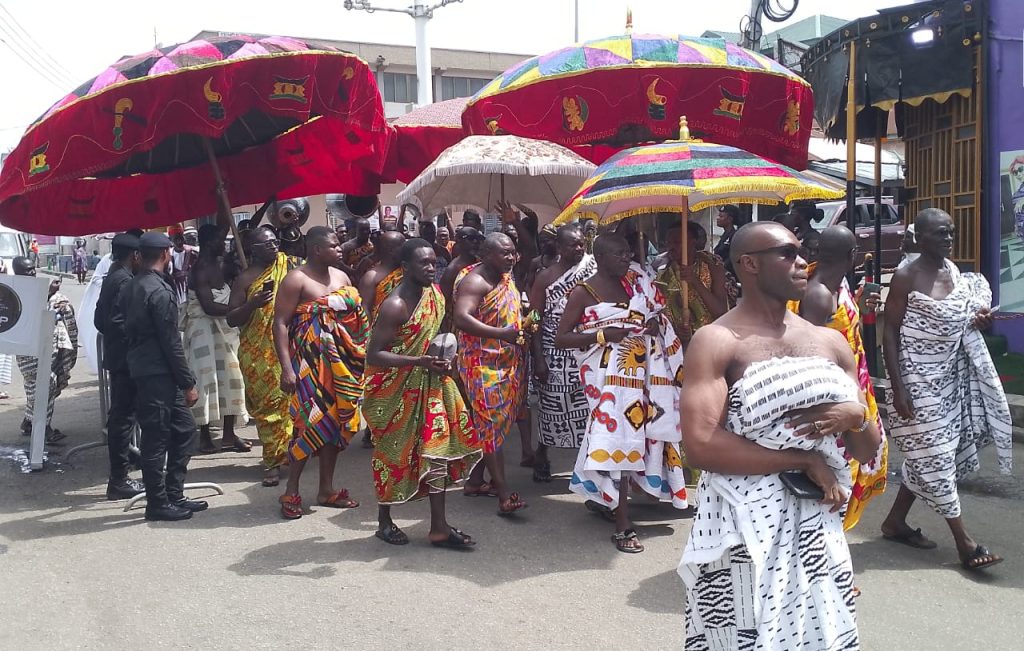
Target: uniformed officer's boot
column 124, row 489
column 167, row 512
column 192, row 505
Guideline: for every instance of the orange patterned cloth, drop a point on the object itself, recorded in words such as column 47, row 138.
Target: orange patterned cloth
column 490, row 368
column 384, row 289
column 423, row 435
column 868, row 479
column 328, row 345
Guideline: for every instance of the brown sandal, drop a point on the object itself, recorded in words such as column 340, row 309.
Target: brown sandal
column 627, row 542
column 339, row 500
column 511, row 505
column 291, row 507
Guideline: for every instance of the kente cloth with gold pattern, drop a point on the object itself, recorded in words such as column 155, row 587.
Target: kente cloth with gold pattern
column 868, row 479
column 632, row 390
column 264, row 400
column 422, row 432
column 328, row 345
column 700, row 315
column 490, row 368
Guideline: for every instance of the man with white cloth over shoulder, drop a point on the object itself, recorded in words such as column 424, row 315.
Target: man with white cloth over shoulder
column 947, row 397
column 765, row 393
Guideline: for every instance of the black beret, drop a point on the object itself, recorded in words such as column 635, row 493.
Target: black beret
column 154, row 240
column 126, row 241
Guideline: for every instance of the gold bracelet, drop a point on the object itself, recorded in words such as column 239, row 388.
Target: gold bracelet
column 865, row 423
column 600, row 337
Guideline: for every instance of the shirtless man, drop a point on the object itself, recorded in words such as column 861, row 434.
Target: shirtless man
column 356, row 249
column 467, row 244
column 389, row 250
column 320, row 333
column 212, row 346
column 729, row 364
column 946, row 393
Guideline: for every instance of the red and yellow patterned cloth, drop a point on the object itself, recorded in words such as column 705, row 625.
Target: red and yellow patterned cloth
column 869, row 479
column 423, row 435
column 328, row 346
column 384, row 289
column 490, row 368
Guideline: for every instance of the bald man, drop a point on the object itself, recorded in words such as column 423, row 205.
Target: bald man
column 488, row 316
column 766, row 393
column 829, row 302
column 946, row 394
column 379, row 281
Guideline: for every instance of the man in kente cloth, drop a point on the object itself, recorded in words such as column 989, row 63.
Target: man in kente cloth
column 423, row 435
column 211, row 345
column 251, row 310
column 488, row 315
column 630, row 364
column 467, row 245
column 948, row 398
column 320, row 333
column 830, row 303
column 356, row 250
column 382, row 278
column 768, row 393
column 704, row 275
column 562, row 419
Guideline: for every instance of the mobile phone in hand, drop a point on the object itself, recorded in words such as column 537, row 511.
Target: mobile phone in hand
column 268, row 286
column 869, row 289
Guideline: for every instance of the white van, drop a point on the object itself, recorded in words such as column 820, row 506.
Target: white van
column 12, row 244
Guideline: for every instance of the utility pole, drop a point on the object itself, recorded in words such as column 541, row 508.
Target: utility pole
column 421, row 12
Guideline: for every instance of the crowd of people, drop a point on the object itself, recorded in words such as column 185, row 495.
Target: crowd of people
column 435, row 344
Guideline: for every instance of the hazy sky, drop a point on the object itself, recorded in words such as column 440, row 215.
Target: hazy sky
column 72, row 41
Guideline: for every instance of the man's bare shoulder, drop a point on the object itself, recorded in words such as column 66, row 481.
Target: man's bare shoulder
column 547, row 276
column 339, row 278
column 475, row 283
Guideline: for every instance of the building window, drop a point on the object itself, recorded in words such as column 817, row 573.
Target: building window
column 397, row 87
column 452, row 87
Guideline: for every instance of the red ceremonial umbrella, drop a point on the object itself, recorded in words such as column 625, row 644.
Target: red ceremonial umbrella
column 633, row 88
column 417, row 138
column 165, row 135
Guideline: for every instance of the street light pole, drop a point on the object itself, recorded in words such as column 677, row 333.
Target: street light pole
column 421, row 12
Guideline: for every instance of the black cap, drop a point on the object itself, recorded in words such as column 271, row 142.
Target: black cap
column 154, row 240
column 126, row 241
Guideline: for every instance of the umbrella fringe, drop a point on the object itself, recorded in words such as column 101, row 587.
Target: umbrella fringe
column 511, row 169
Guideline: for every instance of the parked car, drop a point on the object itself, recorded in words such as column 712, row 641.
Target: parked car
column 12, row 244
column 830, row 213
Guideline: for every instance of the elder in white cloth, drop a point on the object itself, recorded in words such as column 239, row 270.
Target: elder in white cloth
column 766, row 392
column 947, row 397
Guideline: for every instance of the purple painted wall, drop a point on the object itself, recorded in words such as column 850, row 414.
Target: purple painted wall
column 1004, row 83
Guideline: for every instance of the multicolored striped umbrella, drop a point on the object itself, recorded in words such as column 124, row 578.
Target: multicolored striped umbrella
column 633, row 88
column 681, row 175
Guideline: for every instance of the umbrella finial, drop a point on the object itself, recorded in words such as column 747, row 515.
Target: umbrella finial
column 684, row 129
column 629, row 20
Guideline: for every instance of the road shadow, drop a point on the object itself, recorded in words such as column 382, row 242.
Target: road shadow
column 884, row 556
column 650, row 594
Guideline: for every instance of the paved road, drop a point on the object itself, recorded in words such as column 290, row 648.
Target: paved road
column 79, row 573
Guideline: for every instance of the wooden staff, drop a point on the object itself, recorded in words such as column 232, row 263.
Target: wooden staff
column 223, row 205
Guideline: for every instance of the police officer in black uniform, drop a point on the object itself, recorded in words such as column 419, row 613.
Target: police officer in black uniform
column 165, row 387
column 110, row 322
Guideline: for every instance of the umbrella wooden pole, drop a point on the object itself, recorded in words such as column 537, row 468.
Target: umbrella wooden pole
column 223, row 205
column 685, row 287
column 502, row 181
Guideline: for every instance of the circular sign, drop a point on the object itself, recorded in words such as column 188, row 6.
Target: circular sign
column 10, row 307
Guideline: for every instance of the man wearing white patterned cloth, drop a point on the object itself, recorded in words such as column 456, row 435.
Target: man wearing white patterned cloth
column 562, row 418
column 772, row 404
column 211, row 346
column 947, row 397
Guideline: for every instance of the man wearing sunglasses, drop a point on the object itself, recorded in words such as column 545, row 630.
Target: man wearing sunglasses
column 251, row 310
column 766, row 394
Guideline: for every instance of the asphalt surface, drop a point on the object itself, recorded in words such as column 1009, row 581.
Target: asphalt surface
column 79, row 573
